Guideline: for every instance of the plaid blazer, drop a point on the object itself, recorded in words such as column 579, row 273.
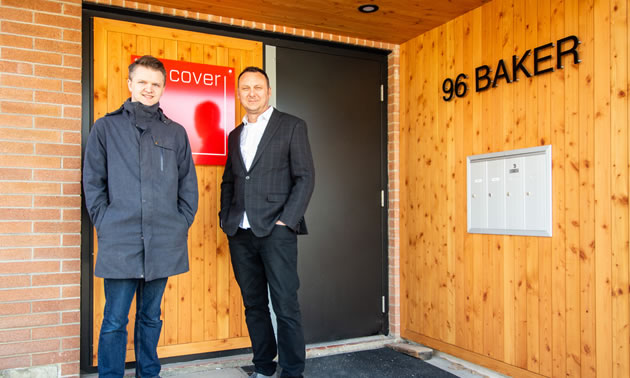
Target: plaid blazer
column 279, row 183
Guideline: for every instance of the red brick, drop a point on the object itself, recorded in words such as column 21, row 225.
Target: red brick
column 16, row 41
column 72, row 10
column 58, row 20
column 29, row 187
column 70, row 292
column 58, row 98
column 29, row 267
column 72, row 35
column 15, row 227
column 57, row 150
column 16, row 67
column 58, row 46
column 72, row 111
column 56, row 227
column 15, row 335
column 72, row 369
column 71, row 214
column 23, row 321
column 29, row 347
column 71, row 163
column 55, row 279
column 55, row 358
column 71, row 138
column 16, row 94
column 39, row 5
column 16, row 148
column 15, row 362
column 57, row 253
column 15, row 200
column 69, row 317
column 13, row 295
column 14, row 281
column 14, row 14
column 70, row 343
column 57, row 201
column 15, row 308
column 30, row 29
column 72, row 61
column 19, row 81
column 71, row 266
column 30, row 108
column 58, row 72
column 30, row 240
column 71, row 87
column 15, row 174
column 58, row 305
column 71, row 189
column 58, row 175
column 31, row 56
column 30, row 161
column 15, row 120
column 56, row 331
column 15, row 254
column 31, row 135
column 69, row 240
column 57, row 123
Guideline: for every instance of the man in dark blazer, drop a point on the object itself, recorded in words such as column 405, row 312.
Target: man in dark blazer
column 267, row 184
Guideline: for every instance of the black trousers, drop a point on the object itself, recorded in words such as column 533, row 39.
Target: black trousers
column 270, row 260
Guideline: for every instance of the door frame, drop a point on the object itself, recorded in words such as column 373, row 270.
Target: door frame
column 90, row 11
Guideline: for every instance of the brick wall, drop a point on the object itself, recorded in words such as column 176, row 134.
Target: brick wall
column 393, row 173
column 40, row 148
column 40, row 204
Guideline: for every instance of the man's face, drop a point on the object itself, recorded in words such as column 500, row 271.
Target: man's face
column 146, row 85
column 254, row 93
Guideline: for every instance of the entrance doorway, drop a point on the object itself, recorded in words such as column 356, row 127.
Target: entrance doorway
column 342, row 262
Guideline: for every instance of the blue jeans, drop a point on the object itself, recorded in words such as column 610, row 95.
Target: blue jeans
column 112, row 344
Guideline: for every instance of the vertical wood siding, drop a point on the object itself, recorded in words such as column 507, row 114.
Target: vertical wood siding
column 527, row 306
column 202, row 310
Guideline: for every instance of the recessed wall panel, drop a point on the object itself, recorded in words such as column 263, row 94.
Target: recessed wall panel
column 509, row 192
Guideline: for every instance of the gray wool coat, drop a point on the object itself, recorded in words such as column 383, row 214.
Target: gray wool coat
column 140, row 189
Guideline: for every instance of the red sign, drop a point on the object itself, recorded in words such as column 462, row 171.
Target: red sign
column 201, row 98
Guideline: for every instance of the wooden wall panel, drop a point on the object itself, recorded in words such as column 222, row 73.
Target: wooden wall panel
column 527, row 306
column 202, row 310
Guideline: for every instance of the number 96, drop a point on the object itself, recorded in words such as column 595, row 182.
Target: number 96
column 459, row 88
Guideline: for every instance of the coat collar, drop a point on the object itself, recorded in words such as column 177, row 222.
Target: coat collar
column 270, row 130
column 122, row 109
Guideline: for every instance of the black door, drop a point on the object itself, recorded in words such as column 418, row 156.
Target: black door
column 342, row 262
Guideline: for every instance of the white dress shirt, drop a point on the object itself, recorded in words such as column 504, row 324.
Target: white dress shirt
column 250, row 138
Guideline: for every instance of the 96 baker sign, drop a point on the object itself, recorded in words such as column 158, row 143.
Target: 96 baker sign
column 542, row 59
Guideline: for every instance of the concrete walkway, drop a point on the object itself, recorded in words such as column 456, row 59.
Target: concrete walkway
column 230, row 367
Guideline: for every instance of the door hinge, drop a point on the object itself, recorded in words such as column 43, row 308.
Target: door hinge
column 383, row 304
column 382, row 198
column 382, row 94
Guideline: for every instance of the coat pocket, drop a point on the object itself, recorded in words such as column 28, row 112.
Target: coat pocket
column 166, row 151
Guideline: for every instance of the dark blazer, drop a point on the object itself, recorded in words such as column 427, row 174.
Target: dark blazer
column 279, row 183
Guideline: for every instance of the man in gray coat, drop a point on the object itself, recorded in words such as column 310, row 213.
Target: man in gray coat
column 140, row 190
column 267, row 183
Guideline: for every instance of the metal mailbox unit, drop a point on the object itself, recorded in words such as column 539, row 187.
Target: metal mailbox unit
column 509, row 192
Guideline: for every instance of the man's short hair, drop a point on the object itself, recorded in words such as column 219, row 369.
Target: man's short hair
column 255, row 69
column 150, row 62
